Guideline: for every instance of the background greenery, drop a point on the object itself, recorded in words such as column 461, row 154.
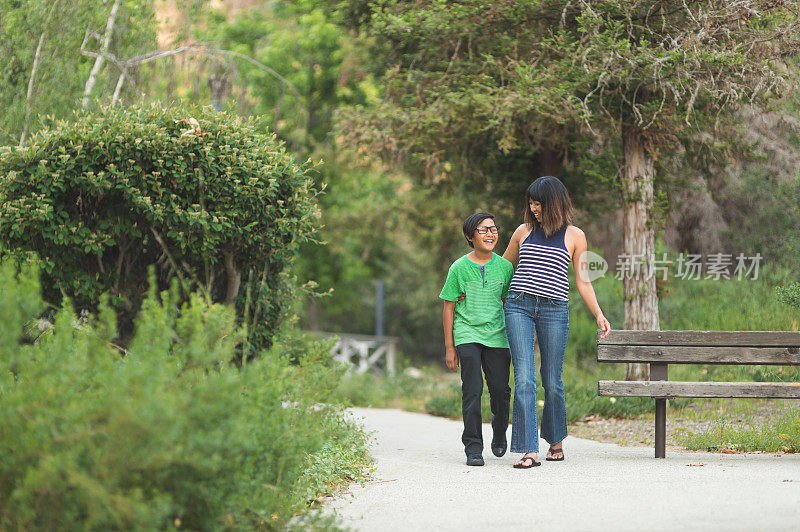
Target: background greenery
column 117, row 405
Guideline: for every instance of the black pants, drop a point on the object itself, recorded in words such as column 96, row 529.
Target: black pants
column 495, row 363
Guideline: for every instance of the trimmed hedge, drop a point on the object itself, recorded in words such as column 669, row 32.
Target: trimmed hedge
column 206, row 197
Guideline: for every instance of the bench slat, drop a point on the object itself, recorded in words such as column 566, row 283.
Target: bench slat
column 786, row 356
column 670, row 389
column 703, row 338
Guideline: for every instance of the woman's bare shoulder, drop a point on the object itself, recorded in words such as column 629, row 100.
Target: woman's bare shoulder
column 521, row 230
column 574, row 238
column 575, row 231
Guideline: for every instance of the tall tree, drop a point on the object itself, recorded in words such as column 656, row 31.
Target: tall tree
column 647, row 80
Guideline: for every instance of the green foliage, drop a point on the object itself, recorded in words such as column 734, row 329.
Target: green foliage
column 168, row 435
column 780, row 434
column 62, row 71
column 789, row 294
column 448, row 403
column 764, row 214
column 502, row 76
column 204, row 196
column 726, row 305
column 317, row 61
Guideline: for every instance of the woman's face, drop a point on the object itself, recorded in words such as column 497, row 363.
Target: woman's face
column 536, row 209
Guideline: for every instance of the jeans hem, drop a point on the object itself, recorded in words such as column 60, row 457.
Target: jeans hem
column 557, row 441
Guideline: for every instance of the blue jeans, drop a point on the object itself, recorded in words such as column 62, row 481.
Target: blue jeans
column 529, row 317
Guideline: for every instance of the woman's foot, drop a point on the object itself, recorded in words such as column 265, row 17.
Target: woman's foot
column 555, row 453
column 527, row 461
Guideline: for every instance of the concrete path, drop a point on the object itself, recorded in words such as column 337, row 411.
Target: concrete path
column 422, row 483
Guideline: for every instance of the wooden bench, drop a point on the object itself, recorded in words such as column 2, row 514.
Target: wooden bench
column 661, row 348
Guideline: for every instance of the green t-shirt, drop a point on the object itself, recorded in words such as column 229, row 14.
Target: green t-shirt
column 479, row 317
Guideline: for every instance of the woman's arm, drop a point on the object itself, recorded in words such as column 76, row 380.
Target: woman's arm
column 585, row 289
column 512, row 251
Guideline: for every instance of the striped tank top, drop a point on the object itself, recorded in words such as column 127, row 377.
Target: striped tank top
column 542, row 267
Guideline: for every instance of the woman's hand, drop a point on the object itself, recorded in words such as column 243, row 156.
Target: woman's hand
column 603, row 325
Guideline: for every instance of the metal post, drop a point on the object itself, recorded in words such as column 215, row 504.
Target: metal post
column 659, row 372
column 379, row 309
column 661, row 428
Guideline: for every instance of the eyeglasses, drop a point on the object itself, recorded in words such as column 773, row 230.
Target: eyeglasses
column 490, row 229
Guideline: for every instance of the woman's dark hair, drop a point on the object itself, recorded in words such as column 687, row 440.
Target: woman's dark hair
column 557, row 210
column 471, row 225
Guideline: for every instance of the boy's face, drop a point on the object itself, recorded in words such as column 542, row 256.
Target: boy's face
column 485, row 236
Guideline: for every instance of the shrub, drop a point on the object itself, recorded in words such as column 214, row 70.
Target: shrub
column 789, row 294
column 204, row 196
column 168, row 435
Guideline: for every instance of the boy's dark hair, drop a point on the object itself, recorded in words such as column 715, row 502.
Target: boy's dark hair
column 471, row 224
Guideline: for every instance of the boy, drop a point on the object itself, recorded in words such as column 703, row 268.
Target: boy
column 475, row 333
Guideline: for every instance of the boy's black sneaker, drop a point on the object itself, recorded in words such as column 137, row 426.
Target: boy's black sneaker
column 475, row 460
column 499, row 447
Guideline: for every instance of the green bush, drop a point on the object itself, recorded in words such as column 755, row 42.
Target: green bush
column 163, row 435
column 205, row 196
column 789, row 294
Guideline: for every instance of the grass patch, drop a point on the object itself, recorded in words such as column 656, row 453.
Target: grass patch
column 750, row 426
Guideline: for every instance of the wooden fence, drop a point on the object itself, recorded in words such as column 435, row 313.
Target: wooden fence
column 365, row 353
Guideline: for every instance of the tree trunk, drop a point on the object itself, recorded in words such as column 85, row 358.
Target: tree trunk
column 234, row 279
column 548, row 160
column 641, row 301
column 98, row 62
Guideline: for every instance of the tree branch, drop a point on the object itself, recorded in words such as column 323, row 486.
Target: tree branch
column 98, row 63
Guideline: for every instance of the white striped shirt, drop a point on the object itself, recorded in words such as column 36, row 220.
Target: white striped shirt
column 542, row 266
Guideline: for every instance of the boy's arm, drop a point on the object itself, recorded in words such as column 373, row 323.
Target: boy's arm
column 448, row 317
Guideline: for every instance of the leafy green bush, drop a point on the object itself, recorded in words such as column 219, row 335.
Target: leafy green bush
column 204, row 196
column 789, row 294
column 168, row 435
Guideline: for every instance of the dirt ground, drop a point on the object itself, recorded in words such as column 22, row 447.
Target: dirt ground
column 636, row 432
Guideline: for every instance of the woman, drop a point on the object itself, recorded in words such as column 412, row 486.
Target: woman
column 541, row 250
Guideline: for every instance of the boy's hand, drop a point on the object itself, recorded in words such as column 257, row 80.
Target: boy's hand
column 461, row 298
column 451, row 358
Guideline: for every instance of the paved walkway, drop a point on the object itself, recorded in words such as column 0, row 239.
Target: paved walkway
column 422, row 483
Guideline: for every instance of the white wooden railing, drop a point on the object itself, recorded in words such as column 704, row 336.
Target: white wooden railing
column 365, row 353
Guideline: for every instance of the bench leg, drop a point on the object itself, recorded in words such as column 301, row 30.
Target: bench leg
column 661, row 428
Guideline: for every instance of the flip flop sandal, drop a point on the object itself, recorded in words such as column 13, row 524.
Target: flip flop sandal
column 522, row 465
column 555, row 451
